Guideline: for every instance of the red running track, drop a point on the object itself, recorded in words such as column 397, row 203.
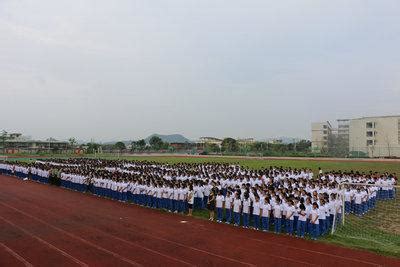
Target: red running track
column 42, row 225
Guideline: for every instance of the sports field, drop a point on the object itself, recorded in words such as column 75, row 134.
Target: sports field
column 365, row 233
column 43, row 225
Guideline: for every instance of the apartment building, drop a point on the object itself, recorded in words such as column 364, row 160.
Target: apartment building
column 375, row 136
column 320, row 133
column 367, row 136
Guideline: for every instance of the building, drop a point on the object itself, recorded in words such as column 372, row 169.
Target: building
column 210, row 140
column 15, row 143
column 246, row 141
column 320, row 133
column 375, row 136
column 343, row 131
column 359, row 137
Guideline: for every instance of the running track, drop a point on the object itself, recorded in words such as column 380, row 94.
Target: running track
column 42, row 225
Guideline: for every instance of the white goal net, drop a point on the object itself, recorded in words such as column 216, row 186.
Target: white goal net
column 370, row 218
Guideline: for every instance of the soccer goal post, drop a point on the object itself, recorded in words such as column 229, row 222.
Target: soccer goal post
column 370, row 216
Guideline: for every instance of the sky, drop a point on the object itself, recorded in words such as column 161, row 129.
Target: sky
column 110, row 70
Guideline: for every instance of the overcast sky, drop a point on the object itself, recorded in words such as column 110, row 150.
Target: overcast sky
column 113, row 70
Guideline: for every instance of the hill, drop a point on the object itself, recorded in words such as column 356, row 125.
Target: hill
column 172, row 138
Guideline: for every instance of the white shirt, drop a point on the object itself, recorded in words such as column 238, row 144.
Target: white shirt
column 219, row 201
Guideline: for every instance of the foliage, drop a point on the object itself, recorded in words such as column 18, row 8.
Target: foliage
column 120, row 146
column 156, row 143
column 229, row 145
column 92, row 148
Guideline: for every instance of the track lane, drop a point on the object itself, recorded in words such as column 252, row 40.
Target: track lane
column 132, row 215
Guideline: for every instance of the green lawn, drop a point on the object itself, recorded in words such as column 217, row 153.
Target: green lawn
column 378, row 231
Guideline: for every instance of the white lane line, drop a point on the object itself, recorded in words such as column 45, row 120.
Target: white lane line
column 16, row 255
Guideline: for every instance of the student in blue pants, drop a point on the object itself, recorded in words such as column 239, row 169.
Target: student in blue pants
column 219, row 204
column 228, row 207
column 278, row 215
column 290, row 217
column 265, row 214
column 246, row 210
column 301, row 222
column 237, row 205
column 256, row 212
column 315, row 222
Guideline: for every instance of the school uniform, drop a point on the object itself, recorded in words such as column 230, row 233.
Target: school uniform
column 301, row 223
column 219, row 201
column 290, row 219
column 237, row 203
column 256, row 214
column 315, row 224
column 266, row 209
column 278, row 217
column 228, row 210
column 358, row 203
column 246, row 212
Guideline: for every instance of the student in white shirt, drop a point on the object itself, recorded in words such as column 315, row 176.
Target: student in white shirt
column 301, row 223
column 237, row 205
column 266, row 211
column 256, row 212
column 278, row 214
column 219, row 204
column 228, row 207
column 290, row 217
column 190, row 200
column 246, row 210
column 314, row 221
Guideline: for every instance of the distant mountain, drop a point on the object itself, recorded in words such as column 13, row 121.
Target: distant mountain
column 172, row 138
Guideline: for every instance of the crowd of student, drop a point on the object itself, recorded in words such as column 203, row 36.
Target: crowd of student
column 273, row 199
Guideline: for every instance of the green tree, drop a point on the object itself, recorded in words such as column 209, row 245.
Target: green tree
column 156, row 143
column 72, row 142
column 92, row 147
column 211, row 148
column 3, row 137
column 229, row 145
column 120, row 146
column 139, row 145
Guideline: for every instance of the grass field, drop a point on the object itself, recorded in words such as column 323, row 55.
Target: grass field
column 378, row 231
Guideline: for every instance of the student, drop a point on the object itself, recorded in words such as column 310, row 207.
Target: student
column 358, row 197
column 314, row 219
column 246, row 210
column 266, row 211
column 190, row 200
column 302, row 221
column 322, row 217
column 347, row 200
column 219, row 203
column 228, row 207
column 211, row 204
column 237, row 205
column 256, row 212
column 290, row 217
column 278, row 215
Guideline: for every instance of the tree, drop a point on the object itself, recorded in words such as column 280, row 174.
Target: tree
column 120, row 146
column 92, row 147
column 211, row 148
column 139, row 145
column 3, row 137
column 72, row 142
column 156, row 143
column 229, row 145
column 303, row 145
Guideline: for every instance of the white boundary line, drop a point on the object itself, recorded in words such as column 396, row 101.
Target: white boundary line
column 75, row 237
column 65, row 254
column 16, row 255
